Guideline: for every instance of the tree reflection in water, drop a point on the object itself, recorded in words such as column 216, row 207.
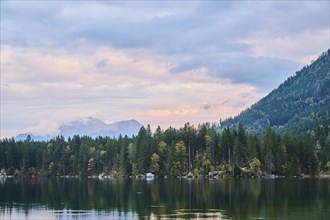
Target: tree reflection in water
column 61, row 198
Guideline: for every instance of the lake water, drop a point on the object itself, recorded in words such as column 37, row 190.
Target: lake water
column 72, row 198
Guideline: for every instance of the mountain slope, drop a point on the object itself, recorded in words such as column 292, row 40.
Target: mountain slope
column 91, row 127
column 299, row 104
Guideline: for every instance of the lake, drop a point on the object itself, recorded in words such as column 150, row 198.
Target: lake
column 74, row 198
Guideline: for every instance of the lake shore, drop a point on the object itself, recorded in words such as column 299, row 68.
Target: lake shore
column 141, row 176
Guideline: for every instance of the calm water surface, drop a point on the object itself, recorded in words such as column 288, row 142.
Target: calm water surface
column 61, row 198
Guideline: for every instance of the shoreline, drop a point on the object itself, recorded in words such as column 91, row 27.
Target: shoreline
column 141, row 177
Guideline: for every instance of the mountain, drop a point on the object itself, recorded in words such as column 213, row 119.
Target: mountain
column 94, row 127
column 299, row 104
column 91, row 127
column 84, row 126
column 22, row 137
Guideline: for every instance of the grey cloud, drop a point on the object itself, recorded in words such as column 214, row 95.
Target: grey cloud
column 296, row 18
column 191, row 25
column 204, row 34
column 36, row 10
column 206, row 106
column 102, row 63
column 264, row 73
column 244, row 95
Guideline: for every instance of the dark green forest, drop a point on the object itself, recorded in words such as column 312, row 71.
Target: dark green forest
column 172, row 152
column 300, row 103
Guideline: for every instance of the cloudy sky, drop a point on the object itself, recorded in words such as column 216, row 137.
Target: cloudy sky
column 159, row 62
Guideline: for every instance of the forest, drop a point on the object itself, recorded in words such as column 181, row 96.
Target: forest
column 174, row 152
column 298, row 104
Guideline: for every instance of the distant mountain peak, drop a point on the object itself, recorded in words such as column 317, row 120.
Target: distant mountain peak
column 85, row 120
column 25, row 136
column 92, row 127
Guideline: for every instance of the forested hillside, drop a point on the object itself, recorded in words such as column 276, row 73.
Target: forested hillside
column 301, row 103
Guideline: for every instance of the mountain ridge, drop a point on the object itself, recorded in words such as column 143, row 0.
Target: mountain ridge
column 298, row 104
column 89, row 126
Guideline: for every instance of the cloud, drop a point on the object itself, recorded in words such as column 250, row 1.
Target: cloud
column 206, row 106
column 119, row 60
column 59, row 85
column 231, row 44
column 181, row 111
column 264, row 73
column 102, row 63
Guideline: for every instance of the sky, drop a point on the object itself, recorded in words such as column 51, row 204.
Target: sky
column 160, row 62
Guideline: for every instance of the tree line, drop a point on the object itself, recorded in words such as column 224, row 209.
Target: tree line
column 189, row 150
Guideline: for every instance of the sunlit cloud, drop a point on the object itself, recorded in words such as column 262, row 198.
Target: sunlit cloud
column 181, row 111
column 60, row 86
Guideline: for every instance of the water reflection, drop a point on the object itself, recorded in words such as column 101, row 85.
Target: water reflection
column 194, row 214
column 42, row 214
column 61, row 198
